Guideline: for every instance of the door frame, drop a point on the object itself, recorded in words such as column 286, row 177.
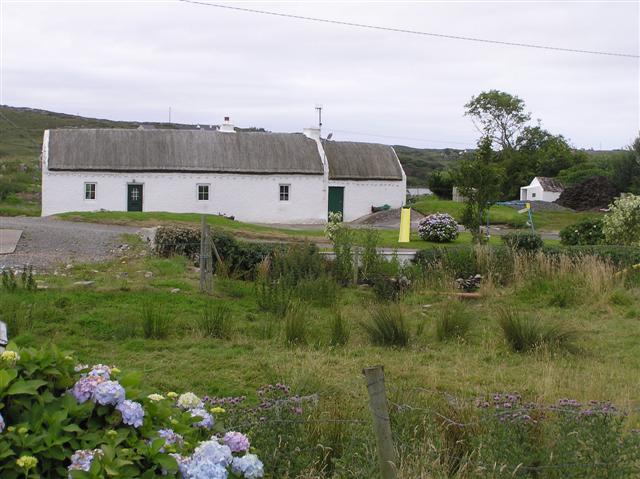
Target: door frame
column 141, row 185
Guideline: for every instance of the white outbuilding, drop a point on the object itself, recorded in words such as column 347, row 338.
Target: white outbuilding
column 541, row 188
column 253, row 176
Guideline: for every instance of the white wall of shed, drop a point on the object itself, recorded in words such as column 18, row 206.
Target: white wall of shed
column 250, row 198
column 360, row 196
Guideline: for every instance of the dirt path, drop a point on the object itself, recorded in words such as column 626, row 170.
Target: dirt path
column 47, row 242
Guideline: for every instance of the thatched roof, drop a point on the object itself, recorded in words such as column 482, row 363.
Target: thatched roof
column 349, row 160
column 550, row 184
column 182, row 151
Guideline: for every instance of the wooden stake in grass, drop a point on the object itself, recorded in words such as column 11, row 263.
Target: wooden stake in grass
column 374, row 377
column 206, row 259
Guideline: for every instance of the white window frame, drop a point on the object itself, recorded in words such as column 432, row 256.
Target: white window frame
column 287, row 192
column 95, row 190
column 208, row 185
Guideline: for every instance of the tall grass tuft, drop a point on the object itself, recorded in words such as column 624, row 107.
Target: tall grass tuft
column 295, row 325
column 339, row 330
column 387, row 326
column 155, row 323
column 215, row 321
column 524, row 334
column 453, row 322
column 322, row 291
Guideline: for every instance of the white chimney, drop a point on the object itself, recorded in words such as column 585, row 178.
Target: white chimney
column 312, row 132
column 227, row 127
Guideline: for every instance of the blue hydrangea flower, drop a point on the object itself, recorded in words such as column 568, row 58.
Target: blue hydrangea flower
column 108, row 393
column 81, row 460
column 84, row 388
column 212, row 451
column 183, row 463
column 132, row 413
column 205, row 470
column 2, row 424
column 249, row 466
column 236, row 441
column 207, row 419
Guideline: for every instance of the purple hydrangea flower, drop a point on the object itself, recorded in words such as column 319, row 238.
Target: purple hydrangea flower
column 84, row 388
column 183, row 463
column 249, row 466
column 236, row 441
column 2, row 424
column 132, row 413
column 108, row 393
column 81, row 460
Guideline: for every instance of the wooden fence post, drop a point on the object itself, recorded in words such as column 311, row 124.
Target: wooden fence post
column 374, row 377
column 206, row 258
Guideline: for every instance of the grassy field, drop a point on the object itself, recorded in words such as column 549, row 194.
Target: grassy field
column 103, row 323
column 504, row 215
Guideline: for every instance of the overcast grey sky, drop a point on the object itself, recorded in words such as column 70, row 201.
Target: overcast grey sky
column 133, row 60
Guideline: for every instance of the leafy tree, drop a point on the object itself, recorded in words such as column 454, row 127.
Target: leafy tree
column 499, row 116
column 441, row 183
column 478, row 180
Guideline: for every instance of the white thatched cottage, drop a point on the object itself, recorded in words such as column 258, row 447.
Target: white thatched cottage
column 541, row 188
column 253, row 176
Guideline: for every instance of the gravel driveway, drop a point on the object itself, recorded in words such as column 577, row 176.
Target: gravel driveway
column 47, row 242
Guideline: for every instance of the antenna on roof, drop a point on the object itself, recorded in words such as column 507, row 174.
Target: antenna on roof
column 329, row 136
column 319, row 109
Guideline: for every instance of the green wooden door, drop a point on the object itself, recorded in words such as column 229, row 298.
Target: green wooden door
column 336, row 199
column 134, row 197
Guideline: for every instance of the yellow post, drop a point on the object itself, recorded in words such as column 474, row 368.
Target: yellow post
column 405, row 225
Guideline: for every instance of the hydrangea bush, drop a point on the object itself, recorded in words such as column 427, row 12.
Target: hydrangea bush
column 438, row 227
column 62, row 420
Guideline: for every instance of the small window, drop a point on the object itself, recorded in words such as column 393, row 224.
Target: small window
column 89, row 191
column 284, row 192
column 203, row 192
column 533, row 195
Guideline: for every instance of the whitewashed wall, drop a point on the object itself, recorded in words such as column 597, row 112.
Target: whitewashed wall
column 360, row 196
column 251, row 198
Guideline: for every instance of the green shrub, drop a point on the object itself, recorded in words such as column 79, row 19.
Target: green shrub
column 50, row 418
column 9, row 282
column 370, row 260
column 215, row 321
column 155, row 323
column 387, row 326
column 339, row 330
column 620, row 256
column 524, row 334
column 585, row 232
column 343, row 241
column 529, row 242
column 297, row 262
column 238, row 258
column 273, row 296
column 453, row 322
column 295, row 325
column 622, row 224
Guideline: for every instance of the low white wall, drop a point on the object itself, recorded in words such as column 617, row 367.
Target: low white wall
column 360, row 196
column 251, row 198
